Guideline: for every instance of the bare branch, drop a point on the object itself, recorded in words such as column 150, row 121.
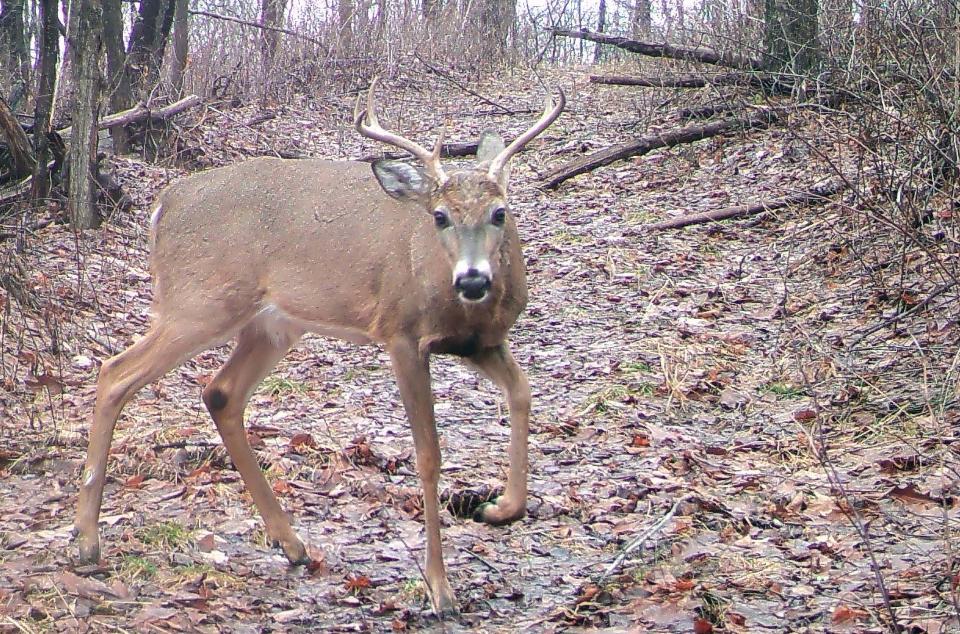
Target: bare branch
column 688, row 53
column 257, row 25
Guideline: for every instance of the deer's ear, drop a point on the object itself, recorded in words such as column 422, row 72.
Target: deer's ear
column 403, row 181
column 490, row 145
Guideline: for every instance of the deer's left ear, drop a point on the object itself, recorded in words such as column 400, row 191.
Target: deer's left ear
column 403, row 181
column 490, row 145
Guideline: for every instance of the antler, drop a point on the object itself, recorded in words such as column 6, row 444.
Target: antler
column 550, row 113
column 366, row 123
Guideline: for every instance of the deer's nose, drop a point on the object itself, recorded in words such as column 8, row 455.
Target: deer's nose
column 472, row 285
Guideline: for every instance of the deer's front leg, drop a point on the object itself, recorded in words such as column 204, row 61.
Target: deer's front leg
column 412, row 370
column 500, row 366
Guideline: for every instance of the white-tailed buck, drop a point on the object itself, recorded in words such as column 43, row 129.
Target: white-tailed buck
column 264, row 251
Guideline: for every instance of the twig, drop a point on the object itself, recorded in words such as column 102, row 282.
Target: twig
column 257, row 25
column 445, row 75
column 847, row 507
column 636, row 542
column 937, row 292
column 482, row 560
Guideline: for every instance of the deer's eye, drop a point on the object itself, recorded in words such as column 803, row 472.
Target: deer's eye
column 441, row 218
column 499, row 216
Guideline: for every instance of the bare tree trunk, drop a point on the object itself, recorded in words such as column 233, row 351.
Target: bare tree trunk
column 431, row 10
column 642, row 21
column 383, row 16
column 118, row 82
column 147, row 42
column 271, row 15
column 601, row 28
column 345, row 9
column 85, row 34
column 791, row 35
column 46, row 84
column 13, row 44
column 508, row 23
column 181, row 38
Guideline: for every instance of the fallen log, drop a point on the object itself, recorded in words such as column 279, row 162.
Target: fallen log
column 646, row 143
column 686, row 53
column 136, row 114
column 140, row 113
column 764, row 81
column 457, row 149
column 818, row 194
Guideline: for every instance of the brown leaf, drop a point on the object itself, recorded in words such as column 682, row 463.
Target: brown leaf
column 702, row 626
column 206, row 543
column 903, row 462
column 844, row 613
column 804, row 415
column 684, row 585
column 587, row 593
column 44, row 380
column 910, row 493
column 303, row 440
column 357, row 583
column 282, row 487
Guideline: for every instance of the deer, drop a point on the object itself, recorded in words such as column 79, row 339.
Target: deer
column 412, row 258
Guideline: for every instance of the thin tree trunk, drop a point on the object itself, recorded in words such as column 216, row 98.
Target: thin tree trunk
column 641, row 18
column 13, row 43
column 601, row 27
column 345, row 9
column 46, row 84
column 431, row 10
column 118, row 82
column 791, row 36
column 88, row 49
column 147, row 42
column 181, row 38
column 271, row 15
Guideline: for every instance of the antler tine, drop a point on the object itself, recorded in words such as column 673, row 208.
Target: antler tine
column 367, row 124
column 438, row 146
column 550, row 113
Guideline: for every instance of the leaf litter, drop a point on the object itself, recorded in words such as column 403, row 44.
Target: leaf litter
column 691, row 388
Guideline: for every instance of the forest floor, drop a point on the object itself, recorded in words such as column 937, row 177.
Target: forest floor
column 710, row 388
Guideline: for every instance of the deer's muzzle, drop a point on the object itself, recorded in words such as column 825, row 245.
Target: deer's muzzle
column 472, row 285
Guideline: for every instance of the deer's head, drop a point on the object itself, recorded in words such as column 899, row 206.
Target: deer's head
column 469, row 207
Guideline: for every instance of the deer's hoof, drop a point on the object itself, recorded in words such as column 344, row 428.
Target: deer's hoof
column 295, row 551
column 499, row 512
column 443, row 602
column 88, row 547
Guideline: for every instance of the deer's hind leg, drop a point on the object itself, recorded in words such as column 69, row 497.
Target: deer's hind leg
column 260, row 346
column 165, row 346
